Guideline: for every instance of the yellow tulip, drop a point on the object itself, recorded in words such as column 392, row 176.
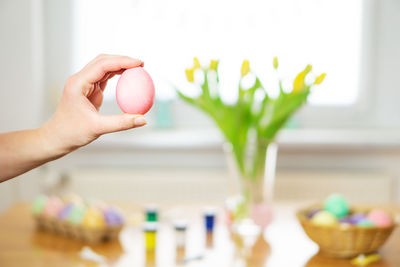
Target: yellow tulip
column 298, row 83
column 245, row 68
column 196, row 63
column 275, row 63
column 213, row 64
column 190, row 74
column 320, row 78
column 308, row 69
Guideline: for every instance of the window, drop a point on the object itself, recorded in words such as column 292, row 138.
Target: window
column 167, row 34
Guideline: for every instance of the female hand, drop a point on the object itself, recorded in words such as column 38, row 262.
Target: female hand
column 77, row 120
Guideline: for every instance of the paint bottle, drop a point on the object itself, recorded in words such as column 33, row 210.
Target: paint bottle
column 151, row 213
column 150, row 235
column 209, row 219
column 180, row 233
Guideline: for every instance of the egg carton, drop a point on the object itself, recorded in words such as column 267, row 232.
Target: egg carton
column 77, row 231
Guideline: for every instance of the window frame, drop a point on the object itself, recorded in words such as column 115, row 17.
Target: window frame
column 310, row 116
column 355, row 115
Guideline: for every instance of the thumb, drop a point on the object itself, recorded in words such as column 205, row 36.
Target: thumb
column 120, row 122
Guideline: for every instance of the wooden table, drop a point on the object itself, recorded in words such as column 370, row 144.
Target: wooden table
column 22, row 245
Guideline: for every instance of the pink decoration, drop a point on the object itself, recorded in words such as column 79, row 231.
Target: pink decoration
column 53, row 207
column 135, row 91
column 380, row 218
column 261, row 214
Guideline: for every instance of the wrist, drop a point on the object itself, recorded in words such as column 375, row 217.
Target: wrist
column 51, row 142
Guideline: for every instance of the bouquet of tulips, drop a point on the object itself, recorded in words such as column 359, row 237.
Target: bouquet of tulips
column 251, row 121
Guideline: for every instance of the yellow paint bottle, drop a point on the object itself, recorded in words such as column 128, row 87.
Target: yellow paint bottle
column 150, row 235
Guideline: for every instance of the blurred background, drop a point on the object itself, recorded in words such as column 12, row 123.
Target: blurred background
column 347, row 139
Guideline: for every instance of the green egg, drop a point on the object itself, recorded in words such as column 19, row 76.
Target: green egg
column 337, row 205
column 38, row 205
column 76, row 214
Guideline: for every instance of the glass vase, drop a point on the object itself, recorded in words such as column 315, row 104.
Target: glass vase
column 249, row 211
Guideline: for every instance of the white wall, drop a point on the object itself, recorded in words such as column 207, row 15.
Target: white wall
column 58, row 46
column 388, row 64
column 21, row 97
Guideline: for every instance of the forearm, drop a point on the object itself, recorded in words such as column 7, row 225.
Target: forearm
column 24, row 150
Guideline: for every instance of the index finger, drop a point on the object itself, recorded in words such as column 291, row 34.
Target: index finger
column 95, row 70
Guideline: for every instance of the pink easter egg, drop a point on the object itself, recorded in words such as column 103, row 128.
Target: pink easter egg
column 380, row 218
column 261, row 214
column 53, row 207
column 135, row 91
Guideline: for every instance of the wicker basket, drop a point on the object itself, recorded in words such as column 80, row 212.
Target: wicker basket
column 343, row 240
